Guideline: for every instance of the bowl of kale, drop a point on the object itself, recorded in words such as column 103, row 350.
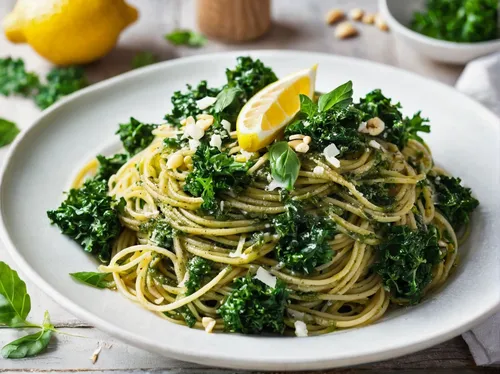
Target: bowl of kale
column 450, row 31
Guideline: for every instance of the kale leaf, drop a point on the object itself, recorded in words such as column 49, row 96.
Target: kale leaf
column 303, row 243
column 398, row 129
column 453, row 200
column 136, row 135
column 250, row 76
column 185, row 105
column 198, row 268
column 90, row 217
column 466, row 21
column 405, row 261
column 186, row 37
column 142, row 59
column 160, row 233
column 336, row 125
column 60, row 82
column 253, row 307
column 109, row 165
column 15, row 80
column 378, row 193
column 214, row 171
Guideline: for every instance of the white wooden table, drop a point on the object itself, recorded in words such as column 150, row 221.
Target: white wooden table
column 297, row 25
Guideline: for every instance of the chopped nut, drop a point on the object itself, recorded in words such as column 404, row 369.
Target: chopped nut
column 205, row 122
column 294, row 143
column 307, row 139
column 334, row 15
column 296, row 136
column 208, row 323
column 356, row 14
column 175, row 161
column 374, row 126
column 302, row 148
column 368, row 18
column 345, row 30
column 380, row 23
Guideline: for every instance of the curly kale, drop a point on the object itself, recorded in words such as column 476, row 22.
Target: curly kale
column 15, row 80
column 398, row 128
column 453, row 200
column 250, row 76
column 253, row 307
column 215, row 171
column 465, row 21
column 405, row 261
column 136, row 135
column 60, row 82
column 109, row 165
column 379, row 193
column 198, row 268
column 160, row 233
column 90, row 217
column 303, row 243
column 184, row 103
column 335, row 125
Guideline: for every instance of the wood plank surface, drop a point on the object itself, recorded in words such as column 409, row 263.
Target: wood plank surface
column 297, row 25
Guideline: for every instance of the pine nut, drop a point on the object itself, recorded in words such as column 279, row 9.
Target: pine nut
column 368, row 19
column 208, row 323
column 380, row 23
column 189, row 121
column 205, row 123
column 345, row 30
column 175, row 161
column 375, row 126
column 204, row 116
column 294, row 143
column 296, row 136
column 302, row 148
column 334, row 15
column 188, row 161
column 356, row 14
column 307, row 139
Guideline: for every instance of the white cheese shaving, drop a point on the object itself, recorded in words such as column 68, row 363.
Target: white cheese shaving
column 193, row 131
column 194, row 144
column 265, row 277
column 275, row 184
column 362, row 127
column 216, row 141
column 247, row 155
column 208, row 323
column 319, row 170
column 226, row 125
column 330, row 152
column 300, row 329
column 296, row 314
column 374, row 144
column 206, row 102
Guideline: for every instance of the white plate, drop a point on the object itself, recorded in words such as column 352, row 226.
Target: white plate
column 465, row 138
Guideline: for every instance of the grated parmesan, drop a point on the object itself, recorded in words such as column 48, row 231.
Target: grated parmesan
column 300, row 329
column 216, row 141
column 194, row 144
column 226, row 125
column 193, row 131
column 206, row 102
column 374, row 144
column 319, row 170
column 330, row 152
column 265, row 277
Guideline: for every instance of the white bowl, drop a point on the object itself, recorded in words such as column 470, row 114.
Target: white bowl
column 465, row 139
column 398, row 14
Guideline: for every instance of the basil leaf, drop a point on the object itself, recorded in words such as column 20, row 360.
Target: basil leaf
column 307, row 106
column 142, row 59
column 340, row 97
column 15, row 303
column 186, row 37
column 27, row 346
column 226, row 97
column 285, row 164
column 8, row 132
column 98, row 280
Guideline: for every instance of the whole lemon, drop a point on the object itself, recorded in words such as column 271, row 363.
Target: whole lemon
column 69, row 31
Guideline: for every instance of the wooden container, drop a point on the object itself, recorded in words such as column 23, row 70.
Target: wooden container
column 234, row 20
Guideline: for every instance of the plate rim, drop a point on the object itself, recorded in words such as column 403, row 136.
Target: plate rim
column 213, row 359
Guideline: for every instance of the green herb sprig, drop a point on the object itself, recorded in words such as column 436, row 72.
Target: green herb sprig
column 15, row 305
column 186, row 37
column 8, row 132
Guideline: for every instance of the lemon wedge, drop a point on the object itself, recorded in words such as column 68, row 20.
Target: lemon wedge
column 270, row 109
